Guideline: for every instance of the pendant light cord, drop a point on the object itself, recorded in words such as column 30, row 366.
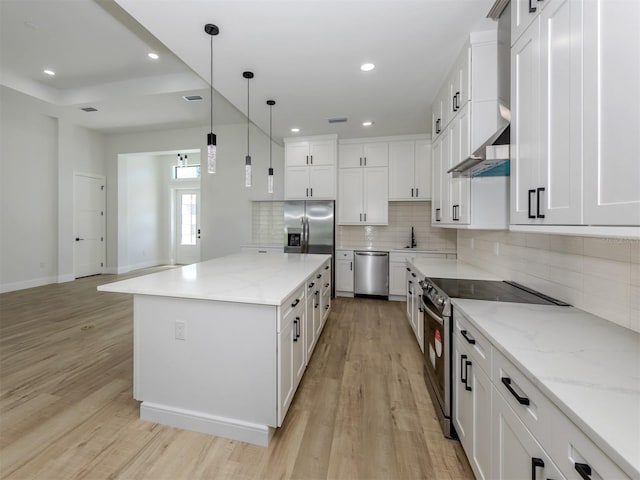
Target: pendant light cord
column 248, row 79
column 211, row 79
column 270, row 141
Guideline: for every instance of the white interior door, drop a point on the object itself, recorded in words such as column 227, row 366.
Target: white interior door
column 89, row 225
column 187, row 226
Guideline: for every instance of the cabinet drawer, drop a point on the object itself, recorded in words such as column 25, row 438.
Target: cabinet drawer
column 531, row 406
column 473, row 341
column 344, row 255
column 570, row 446
column 294, row 302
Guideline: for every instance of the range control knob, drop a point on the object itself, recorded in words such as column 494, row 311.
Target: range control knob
column 439, row 301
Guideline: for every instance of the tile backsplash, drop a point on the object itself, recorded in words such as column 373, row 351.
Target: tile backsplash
column 267, row 226
column 598, row 275
column 402, row 216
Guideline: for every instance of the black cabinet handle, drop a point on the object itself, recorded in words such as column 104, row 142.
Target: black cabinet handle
column 507, row 383
column 529, row 214
column 408, row 269
column 471, row 340
column 453, row 103
column 467, row 364
column 318, row 276
column 532, row 9
column 541, row 189
column 307, row 194
column 295, row 330
column 416, row 192
column 583, row 470
column 311, row 157
column 455, row 213
column 535, row 463
column 412, row 193
column 327, row 284
column 296, row 302
column 311, row 192
column 462, row 369
column 413, row 275
column 311, row 284
column 350, row 266
column 458, row 100
column 327, row 267
column 437, row 214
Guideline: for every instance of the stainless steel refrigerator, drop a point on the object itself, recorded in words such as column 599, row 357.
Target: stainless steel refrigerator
column 309, row 227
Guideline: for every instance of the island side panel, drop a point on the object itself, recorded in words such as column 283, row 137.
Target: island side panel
column 225, row 367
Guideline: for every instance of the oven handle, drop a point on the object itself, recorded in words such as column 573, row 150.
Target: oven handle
column 431, row 314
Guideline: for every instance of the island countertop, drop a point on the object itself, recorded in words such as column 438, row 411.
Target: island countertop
column 242, row 278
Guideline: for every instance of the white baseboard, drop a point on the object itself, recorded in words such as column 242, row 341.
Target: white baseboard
column 34, row 282
column 111, row 271
column 68, row 277
column 397, row 298
column 205, row 423
column 344, row 294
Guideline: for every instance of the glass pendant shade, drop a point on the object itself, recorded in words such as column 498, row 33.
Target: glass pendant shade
column 247, row 171
column 270, row 181
column 211, row 153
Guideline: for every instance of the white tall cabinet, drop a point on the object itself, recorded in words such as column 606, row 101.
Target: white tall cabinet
column 410, row 169
column 310, row 168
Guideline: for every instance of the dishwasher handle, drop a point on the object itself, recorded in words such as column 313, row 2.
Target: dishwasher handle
column 373, row 254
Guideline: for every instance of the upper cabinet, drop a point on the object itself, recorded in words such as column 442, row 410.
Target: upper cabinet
column 523, row 13
column 310, row 168
column 375, row 154
column 574, row 158
column 468, row 107
column 410, row 170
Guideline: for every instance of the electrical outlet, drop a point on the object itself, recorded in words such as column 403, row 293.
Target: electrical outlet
column 180, row 330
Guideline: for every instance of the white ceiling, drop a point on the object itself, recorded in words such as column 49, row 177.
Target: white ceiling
column 305, row 55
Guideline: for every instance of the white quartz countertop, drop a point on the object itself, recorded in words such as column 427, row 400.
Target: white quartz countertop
column 241, row 277
column 441, row 268
column 588, row 367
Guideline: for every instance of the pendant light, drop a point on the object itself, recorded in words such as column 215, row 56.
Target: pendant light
column 247, row 159
column 212, row 30
column 271, row 103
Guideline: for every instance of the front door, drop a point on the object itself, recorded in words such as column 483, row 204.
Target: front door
column 187, row 226
column 89, row 225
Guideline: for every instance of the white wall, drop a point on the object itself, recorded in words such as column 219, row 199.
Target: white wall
column 28, row 192
column 598, row 275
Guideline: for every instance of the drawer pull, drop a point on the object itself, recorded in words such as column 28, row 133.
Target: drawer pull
column 296, row 302
column 311, row 284
column 507, row 383
column 463, row 359
column 535, row 463
column 295, row 330
column 472, row 341
column 467, row 364
column 583, row 470
column 327, row 267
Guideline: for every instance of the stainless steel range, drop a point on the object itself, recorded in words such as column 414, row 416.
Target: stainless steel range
column 438, row 329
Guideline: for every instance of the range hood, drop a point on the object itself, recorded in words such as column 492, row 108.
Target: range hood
column 492, row 157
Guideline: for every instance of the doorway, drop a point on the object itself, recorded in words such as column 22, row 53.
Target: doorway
column 187, row 226
column 89, row 253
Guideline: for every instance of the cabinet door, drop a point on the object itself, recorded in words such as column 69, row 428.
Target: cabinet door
column 296, row 183
column 344, row 276
column 422, row 170
column 561, row 113
column 350, row 209
column 479, row 454
column 410, row 286
column 436, row 183
column 350, row 155
column 286, row 386
column 317, row 311
column 322, row 182
column 322, row 152
column 437, row 126
column 445, row 182
column 401, row 170
column 376, row 154
column 397, row 276
column 309, row 330
column 376, row 197
column 523, row 12
column 525, row 134
column 297, row 154
column 299, row 347
column 515, row 449
column 462, row 405
column 611, row 113
column 460, row 187
column 418, row 318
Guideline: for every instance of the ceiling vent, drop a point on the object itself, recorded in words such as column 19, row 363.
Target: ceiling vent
column 338, row 120
column 192, row 98
column 89, row 109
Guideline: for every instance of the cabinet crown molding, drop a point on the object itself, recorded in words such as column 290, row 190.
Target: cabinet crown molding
column 331, row 136
column 392, row 138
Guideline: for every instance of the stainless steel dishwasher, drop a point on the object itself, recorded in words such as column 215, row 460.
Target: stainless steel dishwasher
column 371, row 273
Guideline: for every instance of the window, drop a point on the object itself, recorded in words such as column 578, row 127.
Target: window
column 188, row 224
column 186, row 172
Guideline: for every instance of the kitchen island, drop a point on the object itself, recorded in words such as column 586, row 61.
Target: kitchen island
column 220, row 346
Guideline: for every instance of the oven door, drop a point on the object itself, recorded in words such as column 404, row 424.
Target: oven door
column 436, row 362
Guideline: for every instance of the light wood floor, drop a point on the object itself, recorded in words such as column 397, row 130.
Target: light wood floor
column 362, row 410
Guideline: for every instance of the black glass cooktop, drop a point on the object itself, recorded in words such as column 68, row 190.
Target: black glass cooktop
column 492, row 290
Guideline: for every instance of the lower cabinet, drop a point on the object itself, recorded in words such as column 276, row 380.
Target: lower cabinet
column 344, row 273
column 517, row 454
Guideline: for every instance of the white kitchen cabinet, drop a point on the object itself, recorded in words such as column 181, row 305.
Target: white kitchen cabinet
column 523, row 13
column 344, row 273
column 363, row 196
column 458, row 81
column 311, row 318
column 546, row 111
column 611, row 49
column 410, row 170
column 291, row 350
column 310, row 168
column 436, row 182
column 374, row 154
column 414, row 308
column 516, row 453
column 460, row 187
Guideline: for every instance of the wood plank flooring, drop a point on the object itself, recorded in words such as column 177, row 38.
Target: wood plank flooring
column 362, row 410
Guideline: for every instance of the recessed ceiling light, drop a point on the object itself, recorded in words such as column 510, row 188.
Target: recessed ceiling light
column 295, row 130
column 367, row 124
column 50, row 72
column 367, row 67
column 153, row 56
